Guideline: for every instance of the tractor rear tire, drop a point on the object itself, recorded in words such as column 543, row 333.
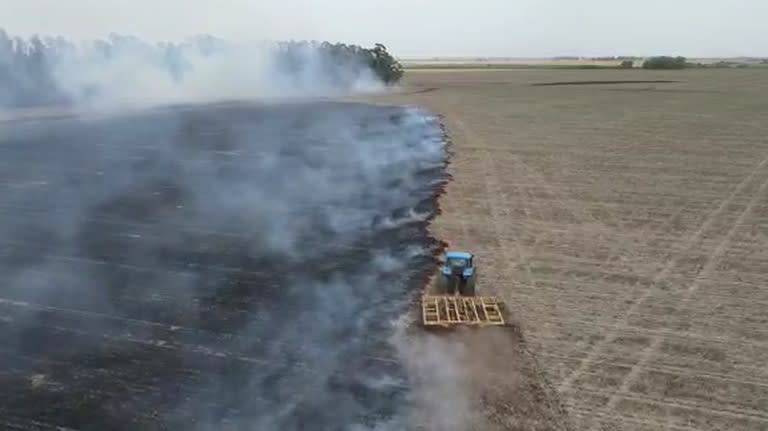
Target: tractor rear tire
column 468, row 287
column 451, row 285
column 441, row 285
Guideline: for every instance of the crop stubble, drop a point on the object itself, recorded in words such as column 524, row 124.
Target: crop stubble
column 148, row 281
column 625, row 226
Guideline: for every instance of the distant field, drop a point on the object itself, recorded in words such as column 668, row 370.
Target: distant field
column 502, row 64
column 508, row 64
column 626, row 226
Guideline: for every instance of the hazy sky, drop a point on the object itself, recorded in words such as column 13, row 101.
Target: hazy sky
column 417, row 28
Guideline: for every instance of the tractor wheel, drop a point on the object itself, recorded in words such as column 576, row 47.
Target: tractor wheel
column 450, row 288
column 441, row 285
column 468, row 287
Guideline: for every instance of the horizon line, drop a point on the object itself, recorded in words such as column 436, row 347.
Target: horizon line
column 571, row 57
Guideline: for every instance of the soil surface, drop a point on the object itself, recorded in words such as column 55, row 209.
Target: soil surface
column 626, row 226
column 623, row 224
column 222, row 267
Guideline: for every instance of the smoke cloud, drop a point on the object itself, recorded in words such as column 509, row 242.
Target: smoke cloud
column 213, row 267
column 126, row 72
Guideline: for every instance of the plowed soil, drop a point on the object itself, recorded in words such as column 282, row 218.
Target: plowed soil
column 626, row 226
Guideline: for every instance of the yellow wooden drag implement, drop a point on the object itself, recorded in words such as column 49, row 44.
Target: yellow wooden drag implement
column 447, row 311
column 455, row 303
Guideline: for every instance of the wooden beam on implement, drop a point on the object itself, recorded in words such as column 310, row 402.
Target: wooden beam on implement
column 451, row 310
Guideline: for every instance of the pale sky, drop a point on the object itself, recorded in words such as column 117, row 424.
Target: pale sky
column 423, row 28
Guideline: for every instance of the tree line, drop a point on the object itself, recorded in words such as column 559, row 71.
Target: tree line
column 665, row 62
column 334, row 60
column 29, row 67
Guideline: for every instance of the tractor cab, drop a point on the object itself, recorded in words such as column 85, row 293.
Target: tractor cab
column 459, row 264
column 452, row 302
column 457, row 275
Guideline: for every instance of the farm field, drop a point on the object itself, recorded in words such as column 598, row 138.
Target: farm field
column 215, row 267
column 626, row 227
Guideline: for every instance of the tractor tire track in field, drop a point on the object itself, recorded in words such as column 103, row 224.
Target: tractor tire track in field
column 660, row 277
column 639, row 199
column 625, row 391
column 712, row 260
column 502, row 362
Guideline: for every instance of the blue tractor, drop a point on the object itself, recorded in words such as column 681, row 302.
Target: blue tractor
column 457, row 274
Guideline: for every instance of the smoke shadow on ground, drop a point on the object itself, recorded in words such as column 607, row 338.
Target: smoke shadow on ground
column 216, row 267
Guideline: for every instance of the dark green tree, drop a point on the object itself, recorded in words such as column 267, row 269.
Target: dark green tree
column 386, row 67
column 665, row 62
column 627, row 64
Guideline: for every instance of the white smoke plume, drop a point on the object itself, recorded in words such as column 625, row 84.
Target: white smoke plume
column 126, row 72
column 226, row 267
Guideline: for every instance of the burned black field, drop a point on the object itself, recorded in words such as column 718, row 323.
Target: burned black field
column 230, row 267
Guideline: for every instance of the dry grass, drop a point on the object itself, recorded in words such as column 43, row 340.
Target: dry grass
column 626, row 225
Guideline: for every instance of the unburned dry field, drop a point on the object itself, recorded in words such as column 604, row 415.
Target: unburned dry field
column 626, row 227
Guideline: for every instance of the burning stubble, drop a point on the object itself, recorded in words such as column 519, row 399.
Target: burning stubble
column 214, row 267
